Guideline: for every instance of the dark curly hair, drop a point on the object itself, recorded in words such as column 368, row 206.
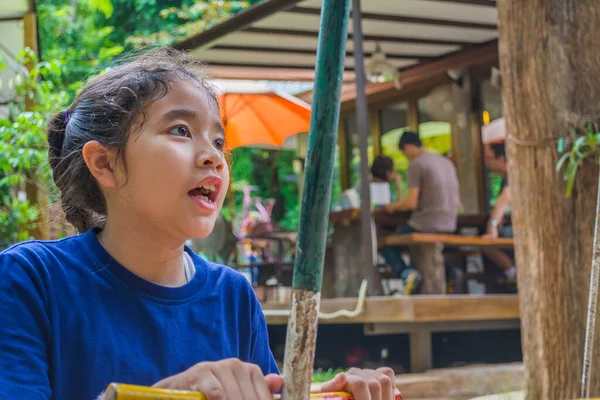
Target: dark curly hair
column 109, row 109
column 381, row 167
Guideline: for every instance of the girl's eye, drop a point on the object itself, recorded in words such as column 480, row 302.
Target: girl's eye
column 180, row 130
column 219, row 144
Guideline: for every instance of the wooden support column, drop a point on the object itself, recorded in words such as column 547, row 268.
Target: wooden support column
column 464, row 147
column 301, row 149
column 421, row 358
column 370, row 272
column 428, row 259
column 35, row 195
column 375, row 131
column 477, row 143
column 412, row 114
column 342, row 141
column 347, row 258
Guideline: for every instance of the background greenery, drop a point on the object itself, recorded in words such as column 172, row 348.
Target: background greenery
column 81, row 38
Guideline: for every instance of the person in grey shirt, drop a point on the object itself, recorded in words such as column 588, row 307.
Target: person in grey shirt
column 433, row 197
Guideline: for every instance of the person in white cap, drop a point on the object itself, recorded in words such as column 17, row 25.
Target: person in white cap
column 498, row 224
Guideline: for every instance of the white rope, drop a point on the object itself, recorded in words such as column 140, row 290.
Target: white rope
column 592, row 304
column 362, row 295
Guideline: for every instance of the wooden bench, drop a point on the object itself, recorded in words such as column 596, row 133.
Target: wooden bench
column 426, row 253
column 419, row 316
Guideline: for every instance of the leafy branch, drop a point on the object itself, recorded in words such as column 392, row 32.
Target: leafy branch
column 23, row 146
column 196, row 18
column 584, row 146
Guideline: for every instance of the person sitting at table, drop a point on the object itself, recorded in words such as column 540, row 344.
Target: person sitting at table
column 495, row 160
column 433, row 197
column 382, row 171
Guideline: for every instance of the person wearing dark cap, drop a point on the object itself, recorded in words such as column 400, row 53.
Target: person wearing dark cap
column 433, row 197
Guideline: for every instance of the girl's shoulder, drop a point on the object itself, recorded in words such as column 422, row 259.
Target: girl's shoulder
column 225, row 279
column 40, row 249
column 222, row 274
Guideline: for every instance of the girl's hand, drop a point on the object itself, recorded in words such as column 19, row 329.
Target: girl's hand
column 224, row 380
column 364, row 384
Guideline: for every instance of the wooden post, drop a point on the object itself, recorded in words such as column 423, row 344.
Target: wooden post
column 35, row 195
column 375, row 131
column 464, row 147
column 344, row 159
column 362, row 123
column 550, row 63
column 477, row 146
column 421, row 358
column 430, row 261
column 412, row 115
column 316, row 197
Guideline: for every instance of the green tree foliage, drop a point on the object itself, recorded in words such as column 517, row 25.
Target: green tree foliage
column 71, row 35
column 187, row 21
column 23, row 149
column 272, row 173
column 79, row 39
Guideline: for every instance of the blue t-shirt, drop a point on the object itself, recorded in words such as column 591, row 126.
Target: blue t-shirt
column 73, row 320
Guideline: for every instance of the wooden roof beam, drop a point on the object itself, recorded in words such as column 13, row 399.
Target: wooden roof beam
column 393, row 56
column 474, row 55
column 236, row 23
column 374, row 38
column 404, row 19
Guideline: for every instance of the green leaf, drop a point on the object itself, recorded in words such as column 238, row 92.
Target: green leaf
column 105, row 6
column 111, row 52
column 562, row 161
column 570, row 173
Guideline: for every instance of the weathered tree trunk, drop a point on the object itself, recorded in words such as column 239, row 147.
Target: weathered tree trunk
column 550, row 62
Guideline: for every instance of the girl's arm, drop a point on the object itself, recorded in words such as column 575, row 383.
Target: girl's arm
column 24, row 331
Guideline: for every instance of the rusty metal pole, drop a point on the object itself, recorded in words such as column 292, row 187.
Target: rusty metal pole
column 316, row 198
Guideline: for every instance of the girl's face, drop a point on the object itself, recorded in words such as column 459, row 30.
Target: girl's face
column 176, row 175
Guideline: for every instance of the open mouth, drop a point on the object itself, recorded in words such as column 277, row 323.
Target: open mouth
column 206, row 192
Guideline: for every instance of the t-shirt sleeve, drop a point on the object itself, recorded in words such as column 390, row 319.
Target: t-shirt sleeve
column 24, row 331
column 261, row 354
column 413, row 175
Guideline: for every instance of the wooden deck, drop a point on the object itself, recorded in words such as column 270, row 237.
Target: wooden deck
column 414, row 309
column 447, row 239
column 419, row 316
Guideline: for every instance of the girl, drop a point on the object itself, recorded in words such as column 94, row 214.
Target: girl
column 138, row 158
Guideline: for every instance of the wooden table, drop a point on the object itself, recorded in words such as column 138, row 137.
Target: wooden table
column 426, row 253
column 347, row 266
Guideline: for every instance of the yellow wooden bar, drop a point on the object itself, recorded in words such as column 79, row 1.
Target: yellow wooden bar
column 120, row 391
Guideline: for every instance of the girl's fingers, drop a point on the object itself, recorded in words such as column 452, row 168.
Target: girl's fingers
column 380, row 383
column 251, row 382
column 338, row 383
column 225, row 380
column 360, row 388
column 387, row 378
column 274, row 382
column 207, row 383
column 225, row 375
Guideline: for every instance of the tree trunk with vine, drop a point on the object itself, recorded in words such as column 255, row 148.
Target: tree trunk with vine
column 550, row 63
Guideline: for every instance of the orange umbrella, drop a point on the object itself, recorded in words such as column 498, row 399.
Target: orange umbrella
column 254, row 114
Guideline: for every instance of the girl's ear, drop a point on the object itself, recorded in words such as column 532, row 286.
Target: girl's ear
column 100, row 161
